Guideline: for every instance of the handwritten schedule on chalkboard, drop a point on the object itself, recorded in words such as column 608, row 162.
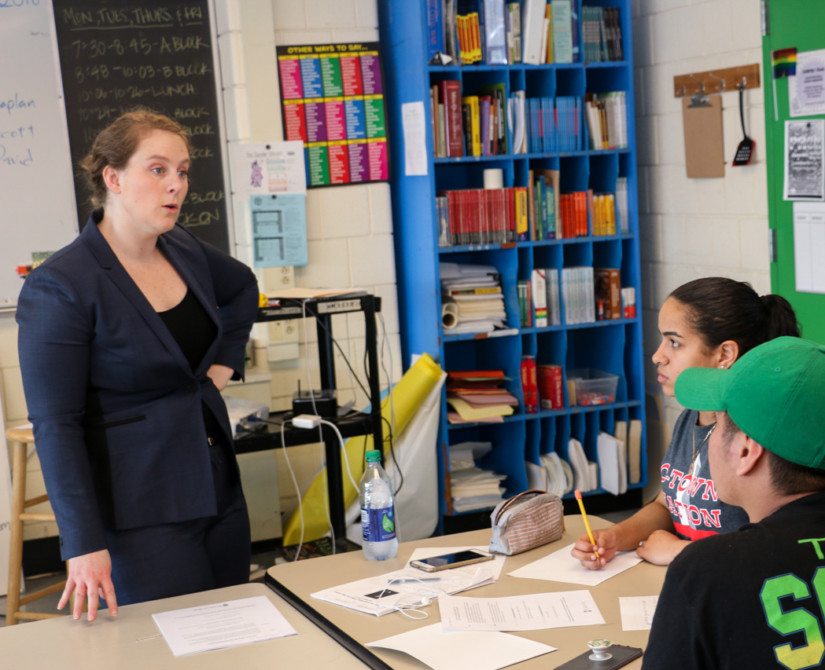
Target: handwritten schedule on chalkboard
column 116, row 55
column 333, row 101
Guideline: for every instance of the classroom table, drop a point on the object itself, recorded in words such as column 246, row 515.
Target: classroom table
column 132, row 641
column 305, row 577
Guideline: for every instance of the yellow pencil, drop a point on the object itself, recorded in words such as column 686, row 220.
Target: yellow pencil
column 586, row 522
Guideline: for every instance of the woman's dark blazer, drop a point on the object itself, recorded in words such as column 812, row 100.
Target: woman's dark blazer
column 116, row 408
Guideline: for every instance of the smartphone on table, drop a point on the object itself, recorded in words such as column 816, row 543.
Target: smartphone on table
column 452, row 560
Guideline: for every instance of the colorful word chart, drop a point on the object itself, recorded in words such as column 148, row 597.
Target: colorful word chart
column 333, row 101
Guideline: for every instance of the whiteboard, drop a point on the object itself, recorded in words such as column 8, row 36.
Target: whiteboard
column 37, row 199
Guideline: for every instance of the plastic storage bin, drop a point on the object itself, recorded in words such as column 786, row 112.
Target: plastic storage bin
column 592, row 387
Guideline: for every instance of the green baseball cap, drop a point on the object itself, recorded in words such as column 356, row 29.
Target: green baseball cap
column 774, row 393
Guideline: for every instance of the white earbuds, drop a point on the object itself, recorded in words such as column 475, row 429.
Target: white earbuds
column 425, row 601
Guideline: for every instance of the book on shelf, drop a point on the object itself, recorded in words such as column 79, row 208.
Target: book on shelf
column 494, row 23
column 602, row 34
column 577, row 295
column 513, row 27
column 449, row 95
column 550, row 386
column 520, row 210
column 562, row 31
column 466, row 306
column 551, row 276
column 479, row 395
column 517, row 121
column 449, row 20
column 435, row 28
column 547, row 52
column 602, row 209
column 443, row 219
column 498, row 113
column 468, row 27
column 629, row 302
column 608, row 291
column 529, row 384
column 484, row 216
column 472, row 124
column 525, row 302
column 573, row 213
column 532, row 26
column 606, row 119
column 622, row 212
column 539, row 292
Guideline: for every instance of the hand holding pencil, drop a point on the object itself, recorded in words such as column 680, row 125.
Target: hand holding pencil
column 593, row 549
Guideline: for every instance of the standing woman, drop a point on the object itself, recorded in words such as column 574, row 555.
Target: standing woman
column 126, row 338
column 709, row 322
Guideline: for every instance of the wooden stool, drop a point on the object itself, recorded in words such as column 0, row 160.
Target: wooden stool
column 19, row 438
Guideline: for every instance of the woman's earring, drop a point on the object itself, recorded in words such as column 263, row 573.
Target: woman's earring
column 722, row 366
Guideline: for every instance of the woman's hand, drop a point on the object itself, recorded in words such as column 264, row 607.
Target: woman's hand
column 89, row 576
column 220, row 375
column 606, row 544
column 661, row 547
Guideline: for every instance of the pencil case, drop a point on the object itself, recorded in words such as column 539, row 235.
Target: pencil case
column 526, row 521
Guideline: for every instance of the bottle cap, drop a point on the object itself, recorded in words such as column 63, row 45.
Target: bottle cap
column 373, row 455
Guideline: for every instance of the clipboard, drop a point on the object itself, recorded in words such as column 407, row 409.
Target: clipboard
column 704, row 140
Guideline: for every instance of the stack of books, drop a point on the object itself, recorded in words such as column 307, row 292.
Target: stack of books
column 553, row 124
column 482, row 216
column 606, row 116
column 602, row 208
column 578, row 294
column 485, row 121
column 472, row 301
column 478, row 396
column 541, row 295
column 471, row 487
column 601, row 34
column 550, row 31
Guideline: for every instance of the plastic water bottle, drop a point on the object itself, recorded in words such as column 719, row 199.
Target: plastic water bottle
column 377, row 512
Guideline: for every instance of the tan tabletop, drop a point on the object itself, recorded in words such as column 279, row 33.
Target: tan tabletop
column 308, row 576
column 132, row 641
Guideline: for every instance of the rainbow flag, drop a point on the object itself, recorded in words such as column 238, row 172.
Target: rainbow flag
column 783, row 62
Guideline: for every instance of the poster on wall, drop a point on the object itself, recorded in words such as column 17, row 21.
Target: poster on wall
column 806, row 89
column 333, row 101
column 805, row 160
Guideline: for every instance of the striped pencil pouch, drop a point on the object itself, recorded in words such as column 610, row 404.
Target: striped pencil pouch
column 526, row 521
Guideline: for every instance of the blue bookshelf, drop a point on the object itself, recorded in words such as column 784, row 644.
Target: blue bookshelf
column 614, row 346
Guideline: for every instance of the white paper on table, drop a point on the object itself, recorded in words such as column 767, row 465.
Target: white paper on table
column 463, row 650
column 637, row 611
column 531, row 612
column 219, row 625
column 407, row 588
column 560, row 566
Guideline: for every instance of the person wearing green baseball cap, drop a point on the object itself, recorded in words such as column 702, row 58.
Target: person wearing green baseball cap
column 755, row 598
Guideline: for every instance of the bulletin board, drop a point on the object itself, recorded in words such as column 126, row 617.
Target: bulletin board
column 333, row 101
column 797, row 228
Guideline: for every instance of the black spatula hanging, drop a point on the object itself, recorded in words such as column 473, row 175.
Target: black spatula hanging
column 744, row 152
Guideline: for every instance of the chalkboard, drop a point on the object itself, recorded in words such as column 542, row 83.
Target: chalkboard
column 119, row 54
column 37, row 200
